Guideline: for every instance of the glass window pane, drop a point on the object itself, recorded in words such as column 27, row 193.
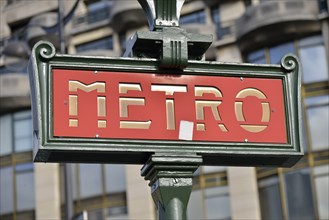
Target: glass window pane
column 322, row 190
column 310, row 58
column 318, row 117
column 22, row 115
column 100, row 44
column 257, row 57
column 23, row 131
column 22, row 128
column 310, row 41
column 5, row 135
column 193, row 18
column 269, row 196
column 194, row 208
column 90, row 180
column 277, row 52
column 24, row 167
column 6, row 190
column 115, row 176
column 25, row 190
column 218, row 203
column 299, row 195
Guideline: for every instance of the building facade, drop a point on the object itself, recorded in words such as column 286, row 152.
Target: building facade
column 254, row 31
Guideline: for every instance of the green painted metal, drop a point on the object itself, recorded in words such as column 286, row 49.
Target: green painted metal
column 170, row 179
column 62, row 149
column 166, row 41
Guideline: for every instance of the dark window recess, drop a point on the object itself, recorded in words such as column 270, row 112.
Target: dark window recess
column 198, row 17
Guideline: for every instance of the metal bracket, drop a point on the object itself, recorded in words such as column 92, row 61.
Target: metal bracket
column 170, row 179
column 166, row 41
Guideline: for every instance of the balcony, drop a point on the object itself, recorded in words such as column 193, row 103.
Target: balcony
column 93, row 19
column 127, row 15
column 17, row 11
column 273, row 20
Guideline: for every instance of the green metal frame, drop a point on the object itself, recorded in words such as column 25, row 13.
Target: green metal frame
column 48, row 148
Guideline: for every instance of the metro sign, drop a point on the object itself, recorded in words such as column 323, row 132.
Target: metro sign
column 166, row 107
column 122, row 110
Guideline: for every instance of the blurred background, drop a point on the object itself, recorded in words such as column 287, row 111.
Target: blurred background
column 254, row 31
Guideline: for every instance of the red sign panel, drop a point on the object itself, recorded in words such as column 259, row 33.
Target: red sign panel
column 146, row 106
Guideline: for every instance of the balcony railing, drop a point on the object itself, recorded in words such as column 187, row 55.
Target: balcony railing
column 273, row 12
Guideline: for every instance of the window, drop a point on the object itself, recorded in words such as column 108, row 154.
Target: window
column 17, row 190
column 299, row 195
column 115, row 175
column 318, row 113
column 15, row 133
column 99, row 11
column 312, row 54
column 269, row 196
column 90, row 180
column 194, row 208
column 257, row 57
column 323, row 6
column 99, row 189
column 193, row 18
column 223, row 29
column 6, row 190
column 16, row 171
column 100, row 44
column 24, row 187
column 22, row 131
column 277, row 52
column 321, row 183
column 5, row 135
column 218, row 203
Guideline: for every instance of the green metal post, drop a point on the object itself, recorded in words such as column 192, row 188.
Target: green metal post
column 170, row 175
column 170, row 179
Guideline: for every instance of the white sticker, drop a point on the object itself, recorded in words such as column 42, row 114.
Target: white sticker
column 186, row 130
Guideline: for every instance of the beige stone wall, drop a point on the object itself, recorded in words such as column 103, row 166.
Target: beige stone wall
column 47, row 191
column 139, row 200
column 243, row 191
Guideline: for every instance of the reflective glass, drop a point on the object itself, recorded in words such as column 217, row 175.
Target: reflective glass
column 23, row 131
column 24, row 167
column 198, row 17
column 100, row 44
column 310, row 41
column 323, row 6
column 115, row 178
column 314, row 64
column 299, row 195
column 218, row 203
column 90, row 180
column 25, row 188
column 257, row 57
column 6, row 190
column 277, row 52
column 322, row 190
column 269, row 196
column 194, row 207
column 5, row 135
column 318, row 117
